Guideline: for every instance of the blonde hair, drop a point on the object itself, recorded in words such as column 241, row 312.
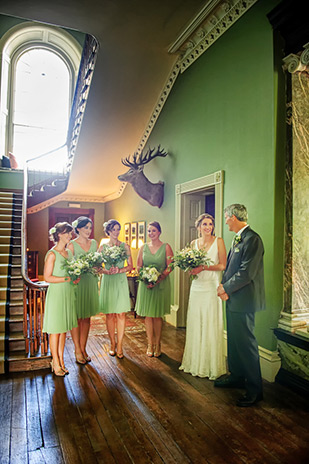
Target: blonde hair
column 201, row 218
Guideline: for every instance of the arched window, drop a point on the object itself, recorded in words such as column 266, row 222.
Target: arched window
column 39, row 67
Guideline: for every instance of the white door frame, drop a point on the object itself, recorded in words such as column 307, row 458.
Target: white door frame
column 177, row 316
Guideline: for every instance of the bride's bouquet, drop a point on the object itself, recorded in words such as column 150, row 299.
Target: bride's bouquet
column 148, row 275
column 189, row 258
column 75, row 268
column 111, row 255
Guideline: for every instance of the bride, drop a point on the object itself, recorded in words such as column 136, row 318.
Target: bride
column 204, row 351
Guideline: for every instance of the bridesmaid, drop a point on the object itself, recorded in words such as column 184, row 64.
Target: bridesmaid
column 153, row 301
column 114, row 292
column 60, row 310
column 87, row 292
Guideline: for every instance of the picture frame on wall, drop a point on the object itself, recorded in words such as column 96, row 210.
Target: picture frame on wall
column 141, row 233
column 133, row 234
column 127, row 233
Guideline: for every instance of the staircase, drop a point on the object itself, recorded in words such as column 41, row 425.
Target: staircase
column 11, row 282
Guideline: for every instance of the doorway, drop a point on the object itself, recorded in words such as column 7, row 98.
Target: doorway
column 68, row 215
column 194, row 197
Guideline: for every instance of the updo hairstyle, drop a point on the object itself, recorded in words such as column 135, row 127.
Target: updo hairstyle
column 59, row 228
column 201, row 218
column 156, row 225
column 80, row 222
column 108, row 226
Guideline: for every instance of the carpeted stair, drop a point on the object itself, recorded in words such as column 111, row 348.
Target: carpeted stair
column 11, row 282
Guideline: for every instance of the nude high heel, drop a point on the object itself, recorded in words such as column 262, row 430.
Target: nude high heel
column 157, row 351
column 149, row 351
column 58, row 372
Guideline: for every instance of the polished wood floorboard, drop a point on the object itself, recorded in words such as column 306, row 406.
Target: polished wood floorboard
column 144, row 410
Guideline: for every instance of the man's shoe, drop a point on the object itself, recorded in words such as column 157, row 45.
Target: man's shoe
column 229, row 382
column 249, row 400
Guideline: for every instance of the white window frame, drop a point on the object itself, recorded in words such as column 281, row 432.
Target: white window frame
column 18, row 40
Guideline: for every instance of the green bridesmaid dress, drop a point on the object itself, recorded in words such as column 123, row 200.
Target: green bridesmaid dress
column 87, row 290
column 60, row 306
column 156, row 301
column 114, row 291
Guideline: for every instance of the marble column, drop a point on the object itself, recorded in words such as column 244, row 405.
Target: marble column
column 292, row 332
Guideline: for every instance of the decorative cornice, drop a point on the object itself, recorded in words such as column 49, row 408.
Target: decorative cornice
column 153, row 119
column 297, row 63
column 207, row 27
column 73, row 198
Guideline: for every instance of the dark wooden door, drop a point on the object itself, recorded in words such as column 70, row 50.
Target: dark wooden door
column 69, row 215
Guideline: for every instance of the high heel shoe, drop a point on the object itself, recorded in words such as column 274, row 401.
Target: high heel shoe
column 65, row 370
column 120, row 355
column 58, row 372
column 80, row 359
column 157, row 351
column 149, row 351
column 87, row 358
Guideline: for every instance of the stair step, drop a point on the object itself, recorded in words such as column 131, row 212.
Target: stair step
column 16, row 323
column 16, row 308
column 18, row 362
column 17, row 342
column 15, row 293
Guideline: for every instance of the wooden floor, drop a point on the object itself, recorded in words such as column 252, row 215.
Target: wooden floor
column 144, row 410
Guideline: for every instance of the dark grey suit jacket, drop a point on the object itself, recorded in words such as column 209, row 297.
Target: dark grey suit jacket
column 243, row 279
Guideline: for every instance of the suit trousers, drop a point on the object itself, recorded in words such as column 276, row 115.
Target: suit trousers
column 242, row 350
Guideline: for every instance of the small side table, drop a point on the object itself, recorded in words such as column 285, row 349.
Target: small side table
column 133, row 285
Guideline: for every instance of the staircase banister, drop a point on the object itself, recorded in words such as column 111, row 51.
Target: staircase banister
column 24, row 261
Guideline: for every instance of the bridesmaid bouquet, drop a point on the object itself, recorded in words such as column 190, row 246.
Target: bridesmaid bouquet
column 94, row 260
column 148, row 275
column 111, row 255
column 189, row 258
column 75, row 268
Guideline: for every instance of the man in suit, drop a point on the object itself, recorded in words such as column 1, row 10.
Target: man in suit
column 242, row 288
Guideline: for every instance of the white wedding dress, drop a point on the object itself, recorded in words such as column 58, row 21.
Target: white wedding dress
column 204, row 350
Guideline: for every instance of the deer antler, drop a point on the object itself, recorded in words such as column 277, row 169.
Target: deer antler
column 141, row 159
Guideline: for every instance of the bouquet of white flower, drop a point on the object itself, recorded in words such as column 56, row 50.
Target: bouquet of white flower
column 95, row 260
column 189, row 258
column 75, row 267
column 148, row 275
column 112, row 254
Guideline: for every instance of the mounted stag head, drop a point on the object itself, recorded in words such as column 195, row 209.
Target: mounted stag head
column 153, row 193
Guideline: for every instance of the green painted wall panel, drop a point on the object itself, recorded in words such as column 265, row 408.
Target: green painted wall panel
column 223, row 114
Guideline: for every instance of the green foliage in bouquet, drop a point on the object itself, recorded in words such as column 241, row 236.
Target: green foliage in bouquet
column 189, row 258
column 112, row 255
column 148, row 275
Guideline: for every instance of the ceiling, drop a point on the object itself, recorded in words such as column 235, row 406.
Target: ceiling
column 132, row 67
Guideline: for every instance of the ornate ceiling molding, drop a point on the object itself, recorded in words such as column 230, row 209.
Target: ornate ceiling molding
column 207, row 27
column 215, row 18
column 73, row 198
column 297, row 63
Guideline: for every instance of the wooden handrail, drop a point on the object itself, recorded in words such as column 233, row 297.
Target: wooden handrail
column 34, row 292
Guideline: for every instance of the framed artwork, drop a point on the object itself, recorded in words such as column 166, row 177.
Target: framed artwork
column 133, row 234
column 141, row 233
column 127, row 233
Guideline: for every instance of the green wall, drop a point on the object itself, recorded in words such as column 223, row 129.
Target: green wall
column 225, row 112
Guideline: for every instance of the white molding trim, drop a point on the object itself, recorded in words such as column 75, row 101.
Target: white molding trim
column 207, row 27
column 153, row 119
column 215, row 179
column 68, row 197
